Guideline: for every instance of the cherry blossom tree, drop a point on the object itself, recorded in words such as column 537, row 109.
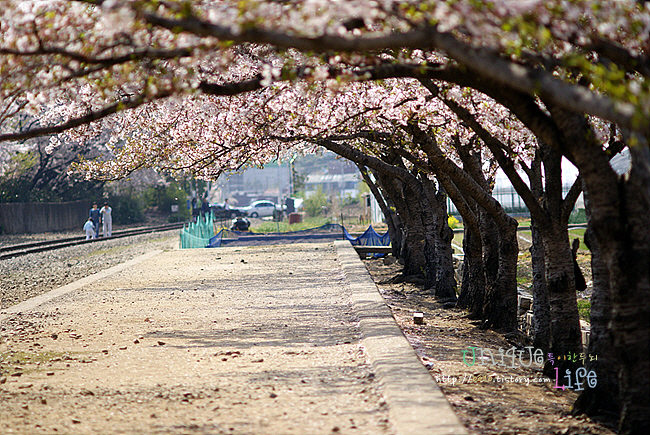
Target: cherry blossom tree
column 384, row 136
column 549, row 63
column 132, row 52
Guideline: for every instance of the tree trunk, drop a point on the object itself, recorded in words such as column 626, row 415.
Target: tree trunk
column 597, row 402
column 400, row 185
column 472, row 291
column 629, row 273
column 541, row 309
column 620, row 218
column 490, row 242
column 565, row 326
column 395, row 238
column 500, row 308
column 419, row 225
column 627, row 255
column 430, row 229
column 445, row 282
column 560, row 282
column 412, row 253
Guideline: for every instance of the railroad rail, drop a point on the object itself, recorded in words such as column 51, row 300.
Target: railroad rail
column 48, row 245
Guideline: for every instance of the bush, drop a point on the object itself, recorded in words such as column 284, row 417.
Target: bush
column 452, row 222
column 126, row 209
column 584, row 309
column 176, row 217
column 164, row 197
column 283, row 227
column 351, row 200
column 578, row 216
column 315, row 204
column 23, row 179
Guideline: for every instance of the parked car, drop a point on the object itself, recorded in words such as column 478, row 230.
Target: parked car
column 260, row 208
column 220, row 211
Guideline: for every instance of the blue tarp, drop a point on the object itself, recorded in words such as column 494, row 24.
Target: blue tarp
column 328, row 231
column 370, row 237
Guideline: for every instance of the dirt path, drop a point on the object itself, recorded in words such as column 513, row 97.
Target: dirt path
column 237, row 340
column 488, row 398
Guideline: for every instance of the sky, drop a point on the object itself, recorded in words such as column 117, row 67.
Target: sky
column 569, row 174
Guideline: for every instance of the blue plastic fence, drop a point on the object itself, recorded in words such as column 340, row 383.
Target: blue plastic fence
column 369, row 238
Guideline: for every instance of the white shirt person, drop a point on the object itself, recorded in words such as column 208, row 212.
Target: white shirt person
column 107, row 220
column 89, row 228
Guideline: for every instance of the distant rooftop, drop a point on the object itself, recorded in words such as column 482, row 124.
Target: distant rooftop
column 331, row 178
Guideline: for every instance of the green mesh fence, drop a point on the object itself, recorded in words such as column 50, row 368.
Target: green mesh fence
column 197, row 234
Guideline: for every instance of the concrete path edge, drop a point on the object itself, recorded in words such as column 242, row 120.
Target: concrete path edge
column 415, row 403
column 34, row 302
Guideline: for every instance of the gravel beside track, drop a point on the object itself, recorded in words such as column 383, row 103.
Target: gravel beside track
column 16, row 239
column 31, row 275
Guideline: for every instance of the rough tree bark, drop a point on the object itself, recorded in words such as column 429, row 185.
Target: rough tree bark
column 490, row 239
column 619, row 224
column 489, row 231
column 560, row 284
column 412, row 252
column 472, row 292
column 541, row 308
column 551, row 218
column 407, row 193
column 620, row 221
column 445, row 282
column 598, row 402
column 500, row 308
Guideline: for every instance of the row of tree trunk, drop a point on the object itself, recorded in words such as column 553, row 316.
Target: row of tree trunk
column 412, row 192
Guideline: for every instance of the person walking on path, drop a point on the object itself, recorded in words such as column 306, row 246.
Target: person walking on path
column 107, row 220
column 95, row 216
column 205, row 207
column 89, row 228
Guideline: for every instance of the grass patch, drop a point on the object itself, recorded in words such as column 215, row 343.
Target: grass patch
column 524, row 269
column 524, row 280
column 580, row 234
column 526, row 234
column 457, row 240
column 8, row 359
column 584, row 309
column 284, row 227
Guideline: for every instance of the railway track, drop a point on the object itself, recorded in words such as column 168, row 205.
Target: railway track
column 49, row 245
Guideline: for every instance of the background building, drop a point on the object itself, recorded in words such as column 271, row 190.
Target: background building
column 341, row 185
column 272, row 182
